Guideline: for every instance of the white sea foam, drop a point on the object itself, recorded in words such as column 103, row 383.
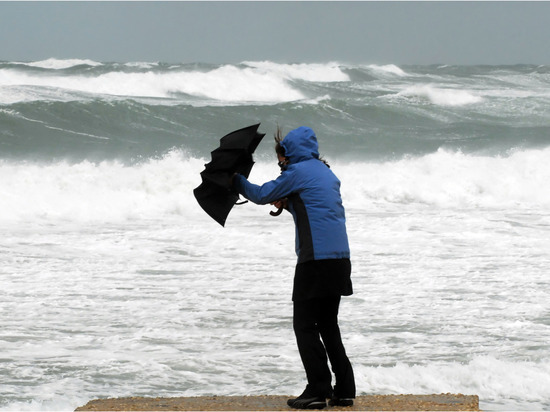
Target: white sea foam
column 391, row 69
column 490, row 378
column 523, row 385
column 111, row 191
column 108, row 191
column 20, row 93
column 116, row 283
column 452, row 179
column 227, row 83
column 329, row 72
column 57, row 64
column 441, row 96
column 142, row 65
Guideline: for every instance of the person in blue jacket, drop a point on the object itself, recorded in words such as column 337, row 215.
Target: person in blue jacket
column 310, row 191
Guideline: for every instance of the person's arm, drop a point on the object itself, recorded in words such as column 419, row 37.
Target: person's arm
column 268, row 192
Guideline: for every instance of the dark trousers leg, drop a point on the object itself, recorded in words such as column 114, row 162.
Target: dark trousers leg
column 330, row 333
column 315, row 319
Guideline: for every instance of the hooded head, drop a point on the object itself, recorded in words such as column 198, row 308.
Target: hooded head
column 300, row 144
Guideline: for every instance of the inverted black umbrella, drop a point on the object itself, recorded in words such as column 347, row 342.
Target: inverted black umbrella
column 215, row 194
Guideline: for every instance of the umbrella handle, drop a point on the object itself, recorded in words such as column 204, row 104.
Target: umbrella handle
column 276, row 213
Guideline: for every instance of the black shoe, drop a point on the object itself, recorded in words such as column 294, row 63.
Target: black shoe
column 304, row 402
column 341, row 401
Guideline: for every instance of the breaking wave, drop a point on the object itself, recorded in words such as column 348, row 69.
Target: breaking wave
column 330, row 72
column 227, row 83
column 440, row 96
column 60, row 64
column 391, row 69
column 491, row 379
column 112, row 191
column 452, row 179
column 258, row 82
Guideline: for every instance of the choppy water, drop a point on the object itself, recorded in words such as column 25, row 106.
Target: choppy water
column 116, row 283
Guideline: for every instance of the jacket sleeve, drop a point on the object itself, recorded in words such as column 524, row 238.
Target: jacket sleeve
column 269, row 191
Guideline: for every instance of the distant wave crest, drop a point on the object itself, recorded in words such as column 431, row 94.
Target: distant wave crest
column 262, row 82
column 329, row 72
column 440, row 96
column 58, row 64
column 387, row 69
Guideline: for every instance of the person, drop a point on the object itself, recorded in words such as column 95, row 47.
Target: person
column 310, row 191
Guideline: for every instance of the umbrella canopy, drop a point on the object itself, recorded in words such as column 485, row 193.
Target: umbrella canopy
column 215, row 194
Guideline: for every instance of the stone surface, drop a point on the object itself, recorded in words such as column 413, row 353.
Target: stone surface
column 441, row 402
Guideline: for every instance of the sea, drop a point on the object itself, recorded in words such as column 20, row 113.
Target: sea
column 115, row 283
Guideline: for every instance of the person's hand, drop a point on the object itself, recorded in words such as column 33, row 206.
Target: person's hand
column 280, row 203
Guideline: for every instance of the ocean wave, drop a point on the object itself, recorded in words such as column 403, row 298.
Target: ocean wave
column 270, row 83
column 234, row 84
column 106, row 191
column 59, row 64
column 249, row 82
column 500, row 384
column 441, row 96
column 142, row 65
column 146, row 109
column 447, row 179
column 391, row 69
column 112, row 191
column 329, row 72
column 226, row 83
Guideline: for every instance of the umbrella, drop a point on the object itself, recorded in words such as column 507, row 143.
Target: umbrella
column 215, row 194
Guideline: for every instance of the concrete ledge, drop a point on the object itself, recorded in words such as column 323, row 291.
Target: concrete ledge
column 441, row 402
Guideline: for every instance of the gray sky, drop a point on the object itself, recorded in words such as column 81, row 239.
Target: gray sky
column 285, row 32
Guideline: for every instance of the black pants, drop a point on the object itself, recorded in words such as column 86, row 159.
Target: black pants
column 316, row 319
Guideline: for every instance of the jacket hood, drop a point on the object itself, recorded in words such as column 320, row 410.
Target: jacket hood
column 300, row 144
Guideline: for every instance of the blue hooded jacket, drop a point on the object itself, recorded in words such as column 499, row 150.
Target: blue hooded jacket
column 314, row 198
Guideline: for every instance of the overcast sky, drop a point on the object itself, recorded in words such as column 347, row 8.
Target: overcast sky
column 231, row 32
